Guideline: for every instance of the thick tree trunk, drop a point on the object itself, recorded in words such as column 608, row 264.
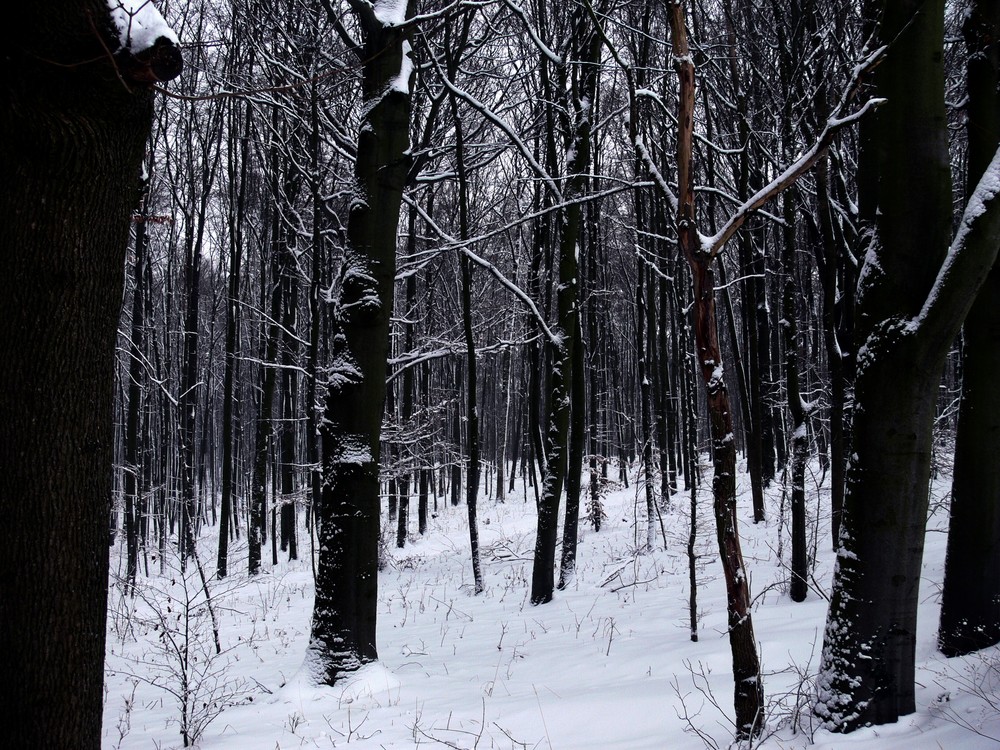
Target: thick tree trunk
column 868, row 654
column 344, row 614
column 906, row 325
column 73, row 138
column 970, row 599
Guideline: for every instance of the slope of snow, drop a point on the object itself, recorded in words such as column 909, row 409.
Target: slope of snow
column 608, row 664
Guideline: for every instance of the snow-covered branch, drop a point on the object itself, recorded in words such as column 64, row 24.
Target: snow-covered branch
column 972, row 253
column 148, row 49
column 712, row 245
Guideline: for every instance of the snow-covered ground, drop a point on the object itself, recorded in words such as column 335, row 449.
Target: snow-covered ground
column 608, row 664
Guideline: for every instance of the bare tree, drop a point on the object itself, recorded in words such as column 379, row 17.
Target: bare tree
column 344, row 614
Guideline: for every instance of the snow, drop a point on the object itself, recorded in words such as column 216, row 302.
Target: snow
column 391, row 12
column 401, row 82
column 354, row 449
column 607, row 664
column 139, row 24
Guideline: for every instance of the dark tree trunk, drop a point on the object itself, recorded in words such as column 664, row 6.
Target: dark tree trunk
column 586, row 46
column 970, row 600
column 188, row 398
column 790, row 41
column 237, row 184
column 751, row 264
column 912, row 300
column 574, row 469
column 471, row 362
column 344, row 614
column 642, row 371
column 73, row 138
column 264, row 426
column 313, row 407
column 595, row 511
column 456, row 440
column 203, row 147
column 836, row 337
column 289, row 405
column 799, row 440
column 133, row 467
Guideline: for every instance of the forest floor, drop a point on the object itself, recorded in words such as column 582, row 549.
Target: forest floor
column 608, row 664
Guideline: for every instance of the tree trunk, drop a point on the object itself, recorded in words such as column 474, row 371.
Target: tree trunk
column 574, row 470
column 289, row 405
column 586, row 46
column 187, row 400
column 133, row 467
column 237, row 197
column 471, row 377
column 74, row 139
column 748, row 690
column 344, row 614
column 264, row 426
column 970, row 600
column 912, row 299
column 799, row 440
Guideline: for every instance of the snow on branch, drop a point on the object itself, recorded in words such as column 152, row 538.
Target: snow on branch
column 148, row 47
column 390, row 12
column 542, row 47
column 139, row 24
column 501, row 123
column 972, row 253
column 712, row 245
column 514, row 289
column 658, row 178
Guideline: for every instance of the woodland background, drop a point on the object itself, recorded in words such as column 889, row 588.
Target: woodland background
column 574, row 225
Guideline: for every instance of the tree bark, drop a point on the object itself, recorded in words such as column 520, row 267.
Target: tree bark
column 748, row 689
column 970, row 598
column 344, row 614
column 74, row 138
column 913, row 297
column 133, row 462
column 237, row 186
column 585, row 47
column 471, row 361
